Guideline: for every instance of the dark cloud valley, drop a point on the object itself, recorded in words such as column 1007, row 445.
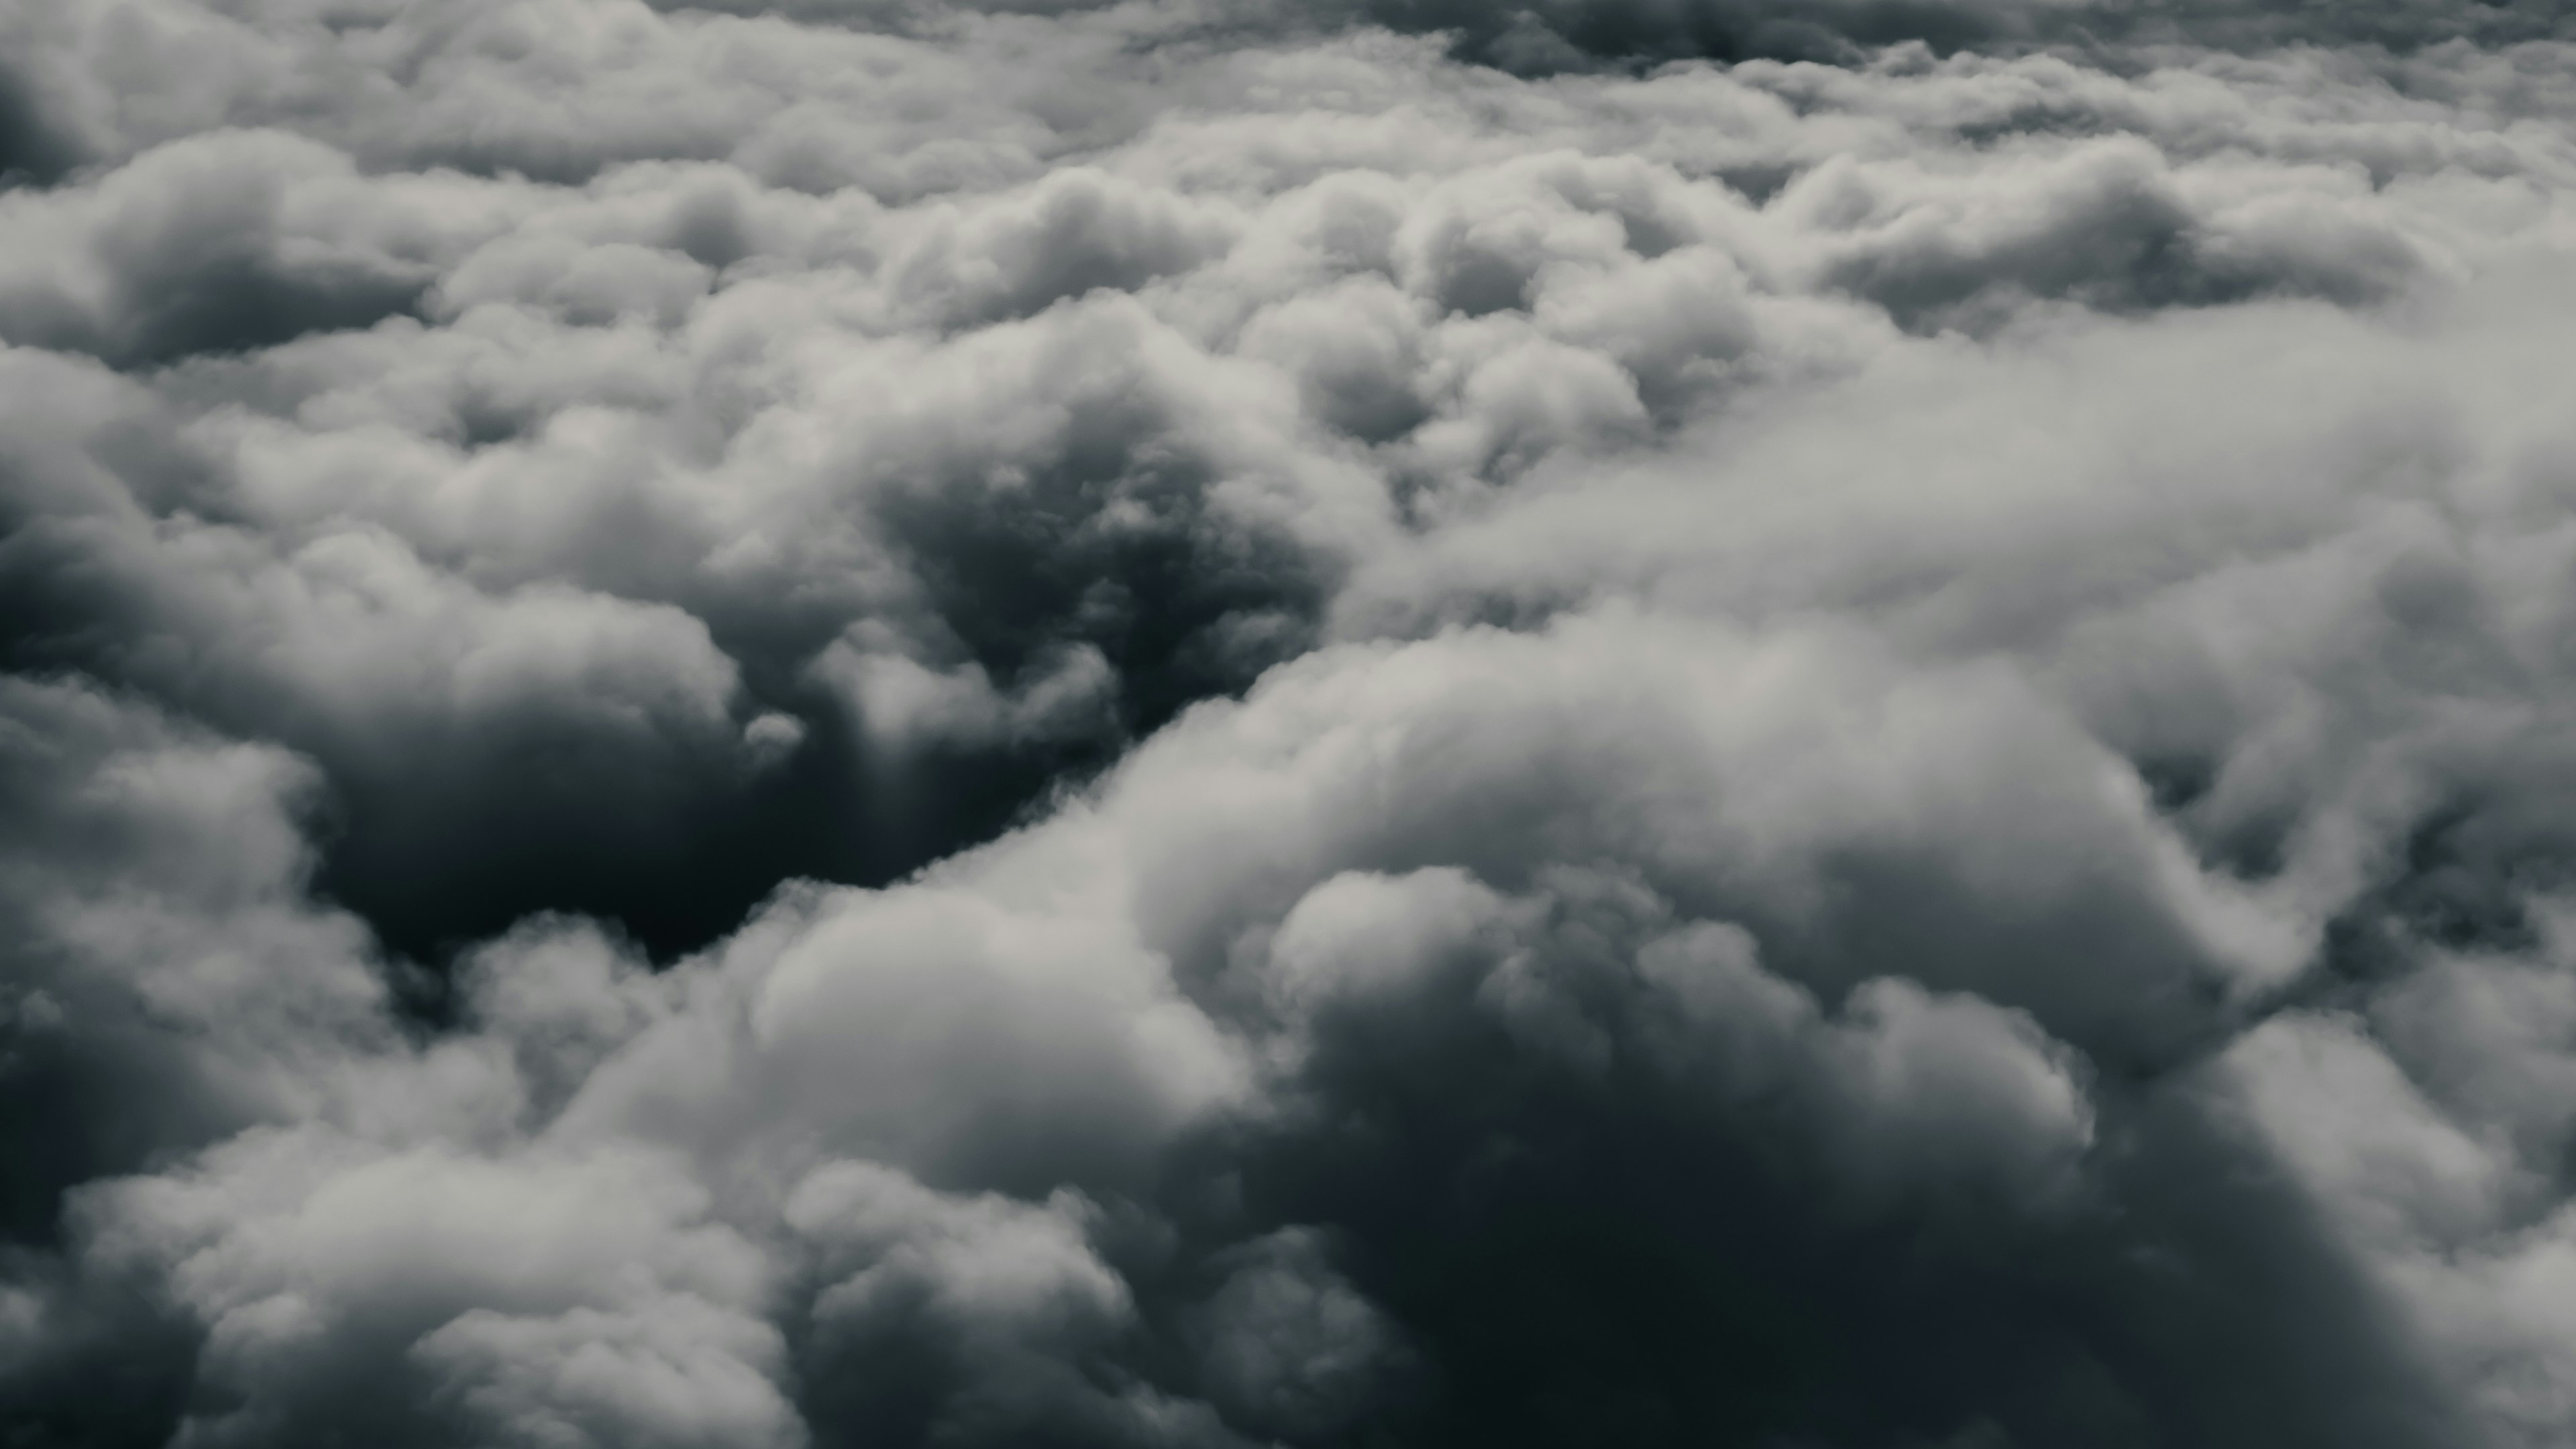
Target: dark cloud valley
column 1204, row 724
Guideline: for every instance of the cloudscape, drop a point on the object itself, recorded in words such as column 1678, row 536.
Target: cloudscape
column 1340, row 724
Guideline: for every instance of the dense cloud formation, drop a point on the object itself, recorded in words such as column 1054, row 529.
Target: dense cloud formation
column 1218, row 723
column 1585, row 34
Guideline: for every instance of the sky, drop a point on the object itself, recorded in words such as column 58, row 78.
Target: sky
column 1336, row 724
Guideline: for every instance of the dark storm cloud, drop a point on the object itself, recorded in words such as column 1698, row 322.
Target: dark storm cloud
column 1554, row 35
column 30, row 151
column 1186, row 725
column 1546, row 36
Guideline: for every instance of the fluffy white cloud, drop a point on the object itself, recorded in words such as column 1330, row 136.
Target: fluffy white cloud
column 1183, row 724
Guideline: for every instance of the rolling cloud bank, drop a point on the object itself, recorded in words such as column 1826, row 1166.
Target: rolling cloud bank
column 1221, row 723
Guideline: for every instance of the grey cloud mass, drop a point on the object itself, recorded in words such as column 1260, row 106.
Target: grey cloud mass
column 1212, row 724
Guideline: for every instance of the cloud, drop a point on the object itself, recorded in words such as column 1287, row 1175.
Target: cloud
column 169, row 982
column 1204, row 725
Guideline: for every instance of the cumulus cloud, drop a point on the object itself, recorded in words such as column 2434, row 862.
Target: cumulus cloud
column 764, row 726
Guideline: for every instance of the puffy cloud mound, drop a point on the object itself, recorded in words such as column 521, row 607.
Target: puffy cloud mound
column 1195, row 725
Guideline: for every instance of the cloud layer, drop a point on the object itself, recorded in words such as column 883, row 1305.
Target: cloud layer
column 1216, row 725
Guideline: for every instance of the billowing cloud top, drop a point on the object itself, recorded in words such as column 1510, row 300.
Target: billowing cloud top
column 1198, row 724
